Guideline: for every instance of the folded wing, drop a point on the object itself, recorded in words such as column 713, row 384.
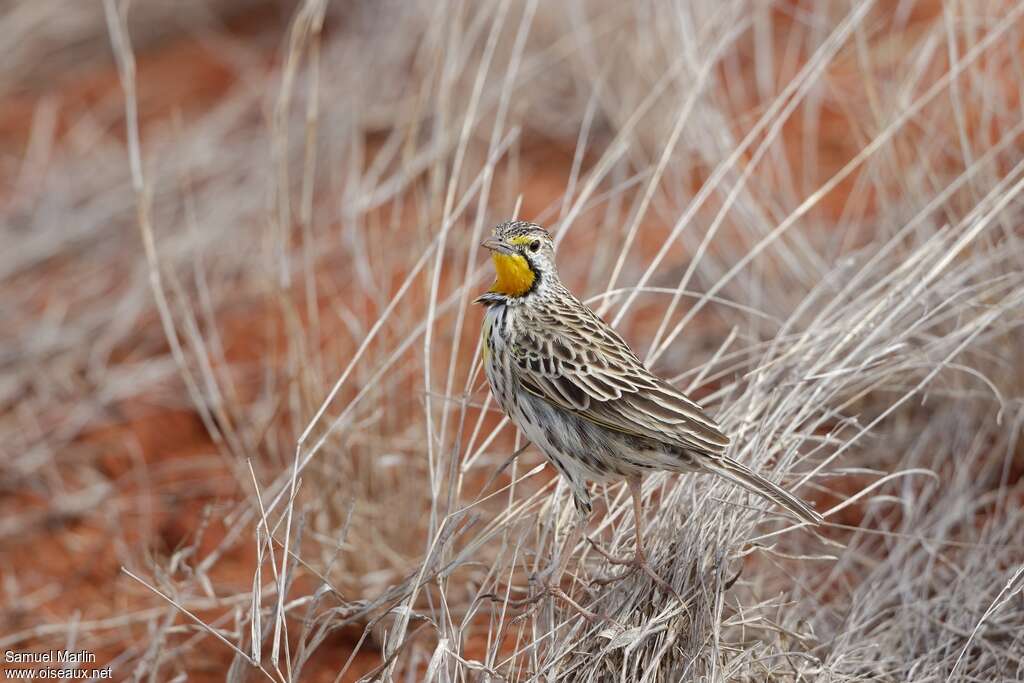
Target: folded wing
column 576, row 361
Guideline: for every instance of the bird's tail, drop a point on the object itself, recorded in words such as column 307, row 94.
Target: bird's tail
column 728, row 468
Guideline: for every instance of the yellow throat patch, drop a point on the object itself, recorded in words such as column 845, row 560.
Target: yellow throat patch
column 515, row 277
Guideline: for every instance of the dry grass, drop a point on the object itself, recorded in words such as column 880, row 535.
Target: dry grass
column 241, row 384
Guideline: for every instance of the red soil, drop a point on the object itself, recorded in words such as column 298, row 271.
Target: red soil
column 187, row 486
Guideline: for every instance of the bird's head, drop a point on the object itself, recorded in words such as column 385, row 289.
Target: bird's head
column 524, row 261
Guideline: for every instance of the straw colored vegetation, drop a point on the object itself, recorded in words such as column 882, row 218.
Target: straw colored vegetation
column 244, row 429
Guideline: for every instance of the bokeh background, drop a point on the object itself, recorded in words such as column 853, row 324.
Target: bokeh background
column 243, row 430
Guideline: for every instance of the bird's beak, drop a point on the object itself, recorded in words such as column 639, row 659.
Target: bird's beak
column 496, row 245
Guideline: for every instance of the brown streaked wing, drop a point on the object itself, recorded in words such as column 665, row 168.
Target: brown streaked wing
column 577, row 362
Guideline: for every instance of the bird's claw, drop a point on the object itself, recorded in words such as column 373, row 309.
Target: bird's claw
column 638, row 561
column 548, row 588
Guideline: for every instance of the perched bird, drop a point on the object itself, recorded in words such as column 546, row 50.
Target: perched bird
column 578, row 392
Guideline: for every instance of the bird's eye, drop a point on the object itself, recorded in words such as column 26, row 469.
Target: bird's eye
column 535, row 246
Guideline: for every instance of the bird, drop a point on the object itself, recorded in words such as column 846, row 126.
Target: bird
column 575, row 389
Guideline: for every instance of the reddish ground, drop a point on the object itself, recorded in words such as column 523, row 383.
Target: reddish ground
column 75, row 549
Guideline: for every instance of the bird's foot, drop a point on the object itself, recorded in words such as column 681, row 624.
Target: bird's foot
column 546, row 585
column 637, row 562
column 559, row 594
